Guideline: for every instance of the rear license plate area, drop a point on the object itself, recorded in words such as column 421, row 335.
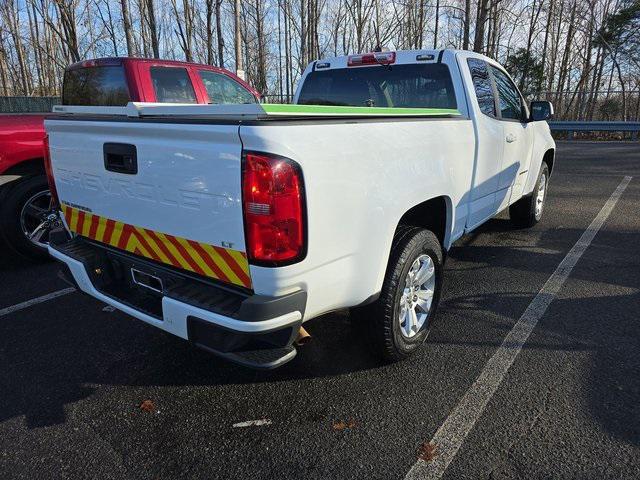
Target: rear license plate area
column 110, row 272
column 134, row 283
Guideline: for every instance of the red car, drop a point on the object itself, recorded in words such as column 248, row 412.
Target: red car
column 25, row 214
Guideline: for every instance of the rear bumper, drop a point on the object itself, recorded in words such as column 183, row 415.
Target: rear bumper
column 252, row 330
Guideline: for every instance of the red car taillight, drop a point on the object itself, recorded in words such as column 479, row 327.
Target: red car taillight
column 49, row 171
column 273, row 204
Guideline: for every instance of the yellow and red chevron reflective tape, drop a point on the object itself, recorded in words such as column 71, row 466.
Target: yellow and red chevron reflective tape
column 223, row 264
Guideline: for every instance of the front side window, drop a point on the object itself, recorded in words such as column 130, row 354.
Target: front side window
column 172, row 85
column 224, row 89
column 409, row 86
column 508, row 95
column 482, row 86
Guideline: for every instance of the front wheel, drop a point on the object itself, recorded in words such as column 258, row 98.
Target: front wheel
column 527, row 211
column 398, row 323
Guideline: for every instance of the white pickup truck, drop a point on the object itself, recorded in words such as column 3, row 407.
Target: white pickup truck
column 231, row 225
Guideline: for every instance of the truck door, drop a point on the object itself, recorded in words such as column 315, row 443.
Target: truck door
column 489, row 150
column 517, row 140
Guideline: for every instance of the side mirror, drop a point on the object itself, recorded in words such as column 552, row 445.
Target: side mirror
column 541, row 110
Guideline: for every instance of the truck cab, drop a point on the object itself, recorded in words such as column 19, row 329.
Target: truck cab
column 117, row 81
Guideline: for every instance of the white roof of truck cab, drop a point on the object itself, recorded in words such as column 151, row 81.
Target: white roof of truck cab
column 402, row 57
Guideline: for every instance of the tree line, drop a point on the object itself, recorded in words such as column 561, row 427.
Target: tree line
column 583, row 55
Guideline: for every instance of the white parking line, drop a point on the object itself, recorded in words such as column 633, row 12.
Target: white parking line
column 452, row 433
column 253, row 423
column 35, row 301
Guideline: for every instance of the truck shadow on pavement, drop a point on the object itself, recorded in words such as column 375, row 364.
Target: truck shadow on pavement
column 11, row 261
column 51, row 360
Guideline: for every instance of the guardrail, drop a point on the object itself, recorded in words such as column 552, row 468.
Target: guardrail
column 571, row 127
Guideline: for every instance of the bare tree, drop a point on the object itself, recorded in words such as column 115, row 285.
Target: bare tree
column 550, row 46
column 483, row 9
column 219, row 33
column 10, row 18
column 238, row 39
column 153, row 31
column 467, row 24
column 126, row 26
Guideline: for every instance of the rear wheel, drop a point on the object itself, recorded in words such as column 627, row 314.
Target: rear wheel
column 399, row 321
column 527, row 211
column 25, row 216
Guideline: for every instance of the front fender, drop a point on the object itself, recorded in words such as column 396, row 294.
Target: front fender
column 542, row 143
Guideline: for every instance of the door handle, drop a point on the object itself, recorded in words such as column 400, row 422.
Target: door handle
column 511, row 138
column 120, row 158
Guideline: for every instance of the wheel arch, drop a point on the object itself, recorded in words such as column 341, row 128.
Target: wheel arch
column 549, row 158
column 33, row 166
column 435, row 214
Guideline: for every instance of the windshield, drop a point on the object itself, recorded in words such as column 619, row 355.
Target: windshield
column 105, row 86
column 409, row 86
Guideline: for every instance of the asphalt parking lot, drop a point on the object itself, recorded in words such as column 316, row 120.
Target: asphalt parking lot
column 74, row 374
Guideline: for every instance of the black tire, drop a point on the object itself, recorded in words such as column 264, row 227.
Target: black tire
column 381, row 319
column 13, row 198
column 523, row 213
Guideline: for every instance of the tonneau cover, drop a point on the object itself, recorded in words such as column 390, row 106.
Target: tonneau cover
column 252, row 111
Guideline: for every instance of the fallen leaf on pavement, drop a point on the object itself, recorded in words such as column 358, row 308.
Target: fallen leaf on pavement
column 147, row 406
column 427, row 451
column 342, row 425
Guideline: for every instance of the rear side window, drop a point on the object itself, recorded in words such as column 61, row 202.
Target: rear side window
column 510, row 102
column 106, row 86
column 224, row 89
column 172, row 85
column 409, row 86
column 482, row 86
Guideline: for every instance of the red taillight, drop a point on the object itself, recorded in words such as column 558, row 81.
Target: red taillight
column 380, row 58
column 49, row 171
column 272, row 199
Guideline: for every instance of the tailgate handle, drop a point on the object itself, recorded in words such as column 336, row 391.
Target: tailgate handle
column 120, row 158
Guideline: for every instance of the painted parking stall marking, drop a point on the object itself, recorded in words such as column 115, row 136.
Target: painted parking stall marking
column 223, row 264
column 253, row 423
column 35, row 301
column 450, row 436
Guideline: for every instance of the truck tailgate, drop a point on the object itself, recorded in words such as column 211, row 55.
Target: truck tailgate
column 169, row 192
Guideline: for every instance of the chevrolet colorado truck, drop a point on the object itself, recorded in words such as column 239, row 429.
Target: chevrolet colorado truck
column 231, row 225
column 25, row 210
